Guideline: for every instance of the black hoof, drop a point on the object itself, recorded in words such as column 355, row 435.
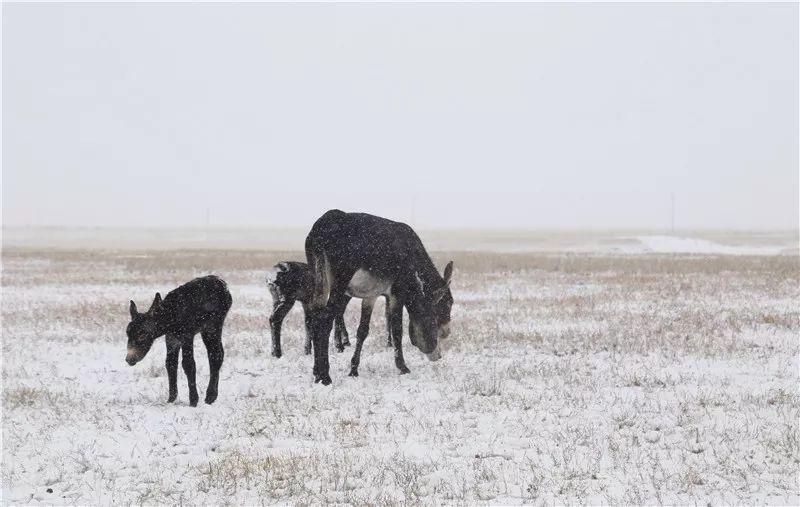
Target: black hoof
column 346, row 342
column 353, row 372
column 340, row 348
column 194, row 402
column 277, row 353
column 172, row 398
column 211, row 398
column 326, row 380
column 404, row 370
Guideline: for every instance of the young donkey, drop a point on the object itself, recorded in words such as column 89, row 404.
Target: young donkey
column 199, row 306
column 293, row 281
column 364, row 256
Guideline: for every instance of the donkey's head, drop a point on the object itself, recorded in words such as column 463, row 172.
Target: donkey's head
column 429, row 314
column 142, row 330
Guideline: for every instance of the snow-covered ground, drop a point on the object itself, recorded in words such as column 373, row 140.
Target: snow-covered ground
column 568, row 378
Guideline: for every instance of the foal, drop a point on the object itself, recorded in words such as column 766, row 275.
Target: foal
column 199, row 306
column 293, row 281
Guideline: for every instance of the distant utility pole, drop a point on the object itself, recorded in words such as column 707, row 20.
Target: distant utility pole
column 672, row 212
column 414, row 209
column 208, row 223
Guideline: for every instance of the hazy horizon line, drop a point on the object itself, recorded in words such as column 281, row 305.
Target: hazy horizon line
column 430, row 229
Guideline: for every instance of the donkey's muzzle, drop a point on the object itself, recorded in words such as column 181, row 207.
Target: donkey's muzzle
column 435, row 355
column 132, row 358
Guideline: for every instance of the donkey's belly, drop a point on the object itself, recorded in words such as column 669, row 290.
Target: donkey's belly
column 366, row 285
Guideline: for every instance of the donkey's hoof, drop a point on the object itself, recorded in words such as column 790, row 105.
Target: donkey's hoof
column 404, row 369
column 277, row 353
column 325, row 379
column 172, row 397
column 346, row 342
column 339, row 348
column 353, row 372
column 210, row 398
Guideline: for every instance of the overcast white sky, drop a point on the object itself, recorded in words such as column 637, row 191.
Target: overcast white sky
column 470, row 115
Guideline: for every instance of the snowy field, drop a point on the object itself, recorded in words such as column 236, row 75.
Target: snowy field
column 643, row 376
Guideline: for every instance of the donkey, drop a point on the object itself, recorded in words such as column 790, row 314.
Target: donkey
column 365, row 256
column 197, row 306
column 289, row 282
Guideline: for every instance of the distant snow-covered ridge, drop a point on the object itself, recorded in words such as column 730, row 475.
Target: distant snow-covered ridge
column 632, row 242
column 674, row 244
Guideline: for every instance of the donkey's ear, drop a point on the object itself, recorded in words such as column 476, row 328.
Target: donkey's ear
column 134, row 312
column 156, row 301
column 439, row 293
column 448, row 272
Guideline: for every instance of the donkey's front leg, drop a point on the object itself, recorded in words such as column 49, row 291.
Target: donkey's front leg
column 173, row 354
column 189, row 368
column 396, row 316
column 279, row 310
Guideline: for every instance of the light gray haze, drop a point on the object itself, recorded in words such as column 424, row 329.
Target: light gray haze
column 446, row 116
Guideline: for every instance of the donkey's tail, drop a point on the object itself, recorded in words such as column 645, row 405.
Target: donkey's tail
column 321, row 270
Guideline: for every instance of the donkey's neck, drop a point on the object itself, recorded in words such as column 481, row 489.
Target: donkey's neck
column 166, row 319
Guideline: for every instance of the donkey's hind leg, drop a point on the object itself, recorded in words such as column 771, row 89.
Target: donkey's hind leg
column 361, row 334
column 212, row 338
column 189, row 368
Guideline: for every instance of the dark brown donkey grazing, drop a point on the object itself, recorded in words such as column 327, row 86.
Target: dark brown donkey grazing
column 199, row 306
column 364, row 256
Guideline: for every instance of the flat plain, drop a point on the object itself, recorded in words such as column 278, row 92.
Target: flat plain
column 594, row 375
